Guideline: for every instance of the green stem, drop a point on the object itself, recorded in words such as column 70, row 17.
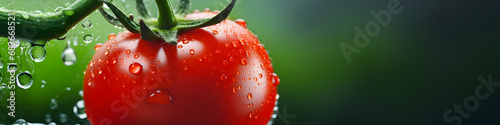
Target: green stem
column 46, row 26
column 166, row 15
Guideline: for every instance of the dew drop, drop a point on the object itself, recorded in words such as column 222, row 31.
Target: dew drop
column 215, row 32
column 136, row 56
column 180, row 46
column 38, row 53
column 191, row 52
column 97, row 47
column 276, row 79
column 79, row 110
column 68, row 56
column 24, row 80
column 159, row 96
column 223, row 77
column 249, row 96
column 225, row 62
column 112, row 36
column 128, row 51
column 68, row 12
column 241, row 22
column 135, row 68
column 86, row 24
column 244, row 61
column 87, row 38
column 260, row 75
column 250, row 115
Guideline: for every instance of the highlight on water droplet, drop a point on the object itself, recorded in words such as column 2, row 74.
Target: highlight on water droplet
column 111, row 36
column 24, row 80
column 97, row 47
column 38, row 53
column 135, row 68
column 127, row 51
column 68, row 56
column 87, row 38
column 159, row 96
column 136, row 56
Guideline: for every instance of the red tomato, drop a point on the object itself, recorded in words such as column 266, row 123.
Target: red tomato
column 218, row 75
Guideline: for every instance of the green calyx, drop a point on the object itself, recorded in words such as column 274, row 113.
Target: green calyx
column 167, row 25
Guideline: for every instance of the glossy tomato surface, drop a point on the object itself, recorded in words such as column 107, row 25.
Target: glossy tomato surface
column 218, row 75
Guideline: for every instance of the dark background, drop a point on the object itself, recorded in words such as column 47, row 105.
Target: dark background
column 427, row 59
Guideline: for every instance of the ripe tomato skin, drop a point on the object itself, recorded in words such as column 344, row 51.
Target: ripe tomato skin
column 218, row 75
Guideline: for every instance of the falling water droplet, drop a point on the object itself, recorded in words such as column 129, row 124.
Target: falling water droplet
column 159, row 96
column 86, row 24
column 87, row 38
column 24, row 80
column 48, row 118
column 38, row 53
column 63, row 118
column 53, row 103
column 68, row 56
column 79, row 110
column 135, row 68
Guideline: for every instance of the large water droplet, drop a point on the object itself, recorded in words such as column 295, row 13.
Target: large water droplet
column 135, row 68
column 38, row 53
column 24, row 80
column 87, row 38
column 53, row 104
column 20, row 122
column 79, row 110
column 159, row 96
column 86, row 24
column 68, row 56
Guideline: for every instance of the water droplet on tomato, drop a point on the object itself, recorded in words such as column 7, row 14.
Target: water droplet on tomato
column 241, row 22
column 191, row 52
column 135, row 68
column 249, row 96
column 79, row 110
column 196, row 11
column 128, row 51
column 97, row 47
column 38, row 53
column 136, row 56
column 260, row 75
column 276, row 79
column 68, row 56
column 215, row 32
column 235, row 89
column 86, row 24
column 206, row 10
column 106, row 53
column 223, row 77
column 250, row 115
column 159, row 96
column 24, row 80
column 244, row 61
column 114, row 61
column 217, row 51
column 180, row 46
column 225, row 62
column 99, row 71
column 111, row 36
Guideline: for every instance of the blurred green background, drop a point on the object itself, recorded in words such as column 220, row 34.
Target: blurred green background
column 427, row 59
